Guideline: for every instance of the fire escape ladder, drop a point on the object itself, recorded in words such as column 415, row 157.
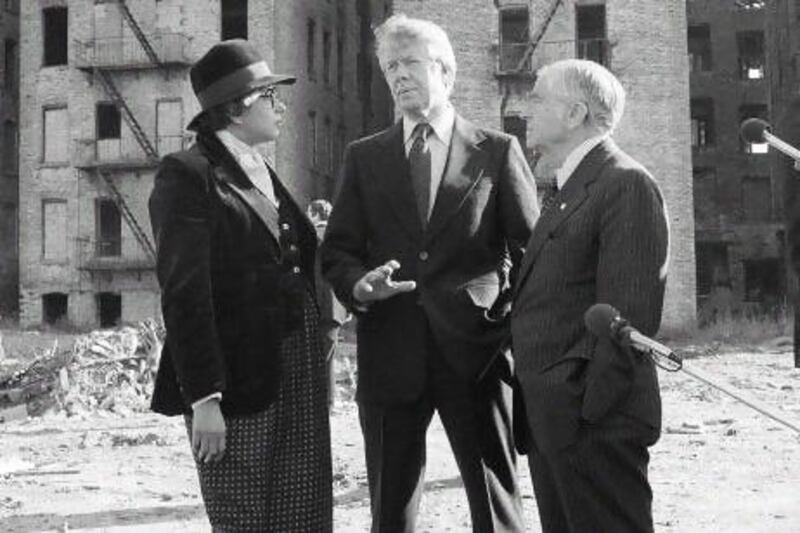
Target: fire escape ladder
column 137, row 30
column 126, row 212
column 130, row 119
column 537, row 37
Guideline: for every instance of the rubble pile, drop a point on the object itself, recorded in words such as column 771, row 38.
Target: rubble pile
column 109, row 370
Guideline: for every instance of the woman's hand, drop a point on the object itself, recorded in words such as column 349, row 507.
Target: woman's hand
column 208, row 432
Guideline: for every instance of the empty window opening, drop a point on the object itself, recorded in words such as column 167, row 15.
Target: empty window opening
column 590, row 23
column 699, row 47
column 109, row 309
column 702, row 112
column 54, row 307
column 55, row 36
column 109, row 121
column 108, row 228
column 751, row 54
column 514, row 37
column 234, row 19
column 753, row 111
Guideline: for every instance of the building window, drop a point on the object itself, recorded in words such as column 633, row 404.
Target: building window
column 54, row 230
column 234, row 19
column 752, row 111
column 712, row 266
column 763, row 280
column 56, row 135
column 54, row 307
column 757, row 198
column 340, row 64
column 311, row 31
column 700, row 47
column 751, row 54
column 109, row 121
column 55, row 36
column 312, row 136
column 705, row 194
column 10, row 62
column 108, row 228
column 169, row 126
column 514, row 38
column 109, row 309
column 10, row 148
column 326, row 57
column 9, row 237
column 702, row 111
column 591, row 33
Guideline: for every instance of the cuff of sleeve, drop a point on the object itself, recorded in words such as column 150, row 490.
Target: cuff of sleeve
column 212, row 396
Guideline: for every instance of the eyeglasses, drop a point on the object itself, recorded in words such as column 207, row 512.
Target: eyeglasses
column 410, row 63
column 268, row 93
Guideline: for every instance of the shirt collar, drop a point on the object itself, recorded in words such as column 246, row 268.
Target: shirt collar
column 575, row 157
column 442, row 125
column 237, row 147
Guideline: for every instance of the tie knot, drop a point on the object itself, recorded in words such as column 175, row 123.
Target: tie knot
column 421, row 131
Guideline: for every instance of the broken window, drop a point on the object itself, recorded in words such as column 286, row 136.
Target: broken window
column 752, row 111
column 514, row 37
column 590, row 21
column 700, row 47
column 54, row 230
column 712, row 266
column 109, row 121
column 702, row 111
column 56, row 135
column 55, row 25
column 10, row 63
column 108, row 228
column 757, row 198
column 234, row 19
column 751, row 54
column 109, row 309
column 311, row 31
column 54, row 307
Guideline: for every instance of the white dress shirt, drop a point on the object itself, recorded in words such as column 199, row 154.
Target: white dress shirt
column 251, row 162
column 575, row 157
column 438, row 143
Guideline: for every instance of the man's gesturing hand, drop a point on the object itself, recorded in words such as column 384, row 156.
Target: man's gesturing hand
column 377, row 284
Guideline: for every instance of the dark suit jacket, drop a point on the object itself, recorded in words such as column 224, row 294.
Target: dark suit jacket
column 788, row 129
column 605, row 240
column 225, row 280
column 482, row 216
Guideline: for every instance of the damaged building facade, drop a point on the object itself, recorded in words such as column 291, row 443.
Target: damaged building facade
column 107, row 93
column 739, row 228
column 642, row 41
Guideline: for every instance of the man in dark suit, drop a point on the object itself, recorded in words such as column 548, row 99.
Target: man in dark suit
column 592, row 408
column 445, row 206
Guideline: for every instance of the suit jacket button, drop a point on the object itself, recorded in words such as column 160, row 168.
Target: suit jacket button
column 285, row 227
column 423, row 255
column 295, row 270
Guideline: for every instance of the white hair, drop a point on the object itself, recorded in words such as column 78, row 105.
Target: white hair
column 400, row 26
column 590, row 83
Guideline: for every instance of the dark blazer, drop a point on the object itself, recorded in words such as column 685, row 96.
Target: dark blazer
column 228, row 283
column 788, row 129
column 604, row 240
column 483, row 214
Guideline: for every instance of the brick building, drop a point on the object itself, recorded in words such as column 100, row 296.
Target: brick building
column 106, row 93
column 9, row 176
column 499, row 45
column 739, row 231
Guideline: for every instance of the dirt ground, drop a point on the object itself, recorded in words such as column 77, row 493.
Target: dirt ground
column 719, row 466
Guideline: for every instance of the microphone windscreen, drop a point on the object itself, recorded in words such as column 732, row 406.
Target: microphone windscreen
column 752, row 130
column 598, row 319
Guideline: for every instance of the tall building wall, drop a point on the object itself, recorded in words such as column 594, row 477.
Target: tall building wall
column 646, row 44
column 80, row 282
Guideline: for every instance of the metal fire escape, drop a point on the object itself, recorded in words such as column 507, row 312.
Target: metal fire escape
column 101, row 64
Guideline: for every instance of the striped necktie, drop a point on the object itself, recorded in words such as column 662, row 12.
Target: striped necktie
column 419, row 161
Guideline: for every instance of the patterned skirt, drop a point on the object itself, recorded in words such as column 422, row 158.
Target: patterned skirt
column 276, row 472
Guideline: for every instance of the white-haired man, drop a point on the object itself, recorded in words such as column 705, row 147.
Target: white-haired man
column 592, row 408
column 445, row 206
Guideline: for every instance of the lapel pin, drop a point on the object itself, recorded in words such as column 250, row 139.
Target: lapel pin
column 563, row 206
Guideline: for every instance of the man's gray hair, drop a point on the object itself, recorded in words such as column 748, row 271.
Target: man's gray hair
column 590, row 83
column 398, row 27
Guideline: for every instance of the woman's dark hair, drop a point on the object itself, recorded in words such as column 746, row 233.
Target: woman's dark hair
column 219, row 117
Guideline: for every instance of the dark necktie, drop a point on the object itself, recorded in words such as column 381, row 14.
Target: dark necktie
column 419, row 161
column 550, row 190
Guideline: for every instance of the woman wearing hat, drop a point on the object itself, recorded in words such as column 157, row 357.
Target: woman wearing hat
column 235, row 264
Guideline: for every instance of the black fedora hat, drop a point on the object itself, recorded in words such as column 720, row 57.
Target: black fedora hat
column 228, row 70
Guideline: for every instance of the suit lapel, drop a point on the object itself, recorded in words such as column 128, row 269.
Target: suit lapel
column 465, row 163
column 230, row 173
column 566, row 202
column 392, row 170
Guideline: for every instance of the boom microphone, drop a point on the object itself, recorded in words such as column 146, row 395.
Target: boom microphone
column 605, row 322
column 755, row 130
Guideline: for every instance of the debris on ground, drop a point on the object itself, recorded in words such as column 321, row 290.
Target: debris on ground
column 108, row 370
